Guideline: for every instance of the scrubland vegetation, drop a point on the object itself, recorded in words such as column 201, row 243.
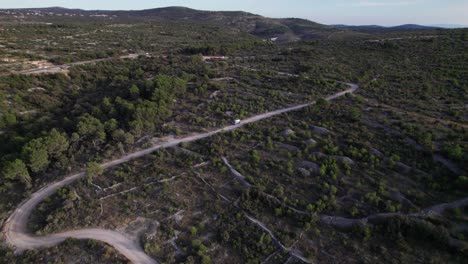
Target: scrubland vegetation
column 346, row 180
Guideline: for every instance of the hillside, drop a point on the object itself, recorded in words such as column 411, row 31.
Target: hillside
column 270, row 28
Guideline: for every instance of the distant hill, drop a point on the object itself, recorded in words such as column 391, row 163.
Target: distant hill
column 282, row 30
column 450, row 26
column 275, row 29
column 413, row 26
column 376, row 28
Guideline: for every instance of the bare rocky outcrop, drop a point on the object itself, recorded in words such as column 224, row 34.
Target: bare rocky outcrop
column 214, row 94
column 403, row 168
column 288, row 147
column 318, row 154
column 287, row 132
column 35, row 89
column 344, row 160
column 376, row 153
column 304, row 172
column 311, row 166
column 311, row 142
column 320, row 131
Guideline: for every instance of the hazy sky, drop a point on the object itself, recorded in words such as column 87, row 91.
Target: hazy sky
column 382, row 12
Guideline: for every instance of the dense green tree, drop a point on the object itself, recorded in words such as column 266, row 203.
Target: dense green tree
column 454, row 151
column 163, row 82
column 121, row 136
column 125, row 109
column 7, row 119
column 107, row 106
column 56, row 143
column 148, row 113
column 91, row 127
column 111, row 125
column 16, row 170
column 255, row 156
column 355, row 114
column 134, row 92
column 36, row 155
column 139, row 73
column 426, row 141
column 206, row 259
column 93, row 169
column 180, row 85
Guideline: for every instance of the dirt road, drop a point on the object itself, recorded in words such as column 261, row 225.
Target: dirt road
column 16, row 231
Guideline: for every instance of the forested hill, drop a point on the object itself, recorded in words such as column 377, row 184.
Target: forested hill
column 288, row 29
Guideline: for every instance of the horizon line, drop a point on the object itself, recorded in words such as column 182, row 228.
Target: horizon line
column 439, row 25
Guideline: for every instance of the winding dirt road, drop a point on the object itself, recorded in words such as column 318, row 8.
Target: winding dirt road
column 15, row 229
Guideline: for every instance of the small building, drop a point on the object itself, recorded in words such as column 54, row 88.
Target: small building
column 214, row 58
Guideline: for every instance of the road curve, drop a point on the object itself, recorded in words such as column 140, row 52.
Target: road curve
column 15, row 228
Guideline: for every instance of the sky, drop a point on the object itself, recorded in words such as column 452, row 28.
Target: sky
column 351, row 12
